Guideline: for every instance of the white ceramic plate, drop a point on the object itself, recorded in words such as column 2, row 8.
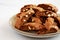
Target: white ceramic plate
column 12, row 23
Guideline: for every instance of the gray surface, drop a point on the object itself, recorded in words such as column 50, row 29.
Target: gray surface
column 8, row 8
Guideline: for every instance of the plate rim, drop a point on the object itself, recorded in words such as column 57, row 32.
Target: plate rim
column 30, row 34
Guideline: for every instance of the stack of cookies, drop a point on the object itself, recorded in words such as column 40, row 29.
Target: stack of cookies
column 40, row 18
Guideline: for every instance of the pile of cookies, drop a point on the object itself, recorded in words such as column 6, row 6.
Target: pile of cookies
column 40, row 18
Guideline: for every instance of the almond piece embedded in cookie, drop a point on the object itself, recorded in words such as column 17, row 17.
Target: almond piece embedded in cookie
column 37, row 20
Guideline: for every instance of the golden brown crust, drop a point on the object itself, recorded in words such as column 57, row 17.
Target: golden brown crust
column 32, row 26
column 28, row 7
column 37, row 18
column 49, row 7
column 50, row 25
column 46, row 13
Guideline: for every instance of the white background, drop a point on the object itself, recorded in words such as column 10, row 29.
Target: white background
column 8, row 8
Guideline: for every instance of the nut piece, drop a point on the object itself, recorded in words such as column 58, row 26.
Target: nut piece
column 37, row 20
